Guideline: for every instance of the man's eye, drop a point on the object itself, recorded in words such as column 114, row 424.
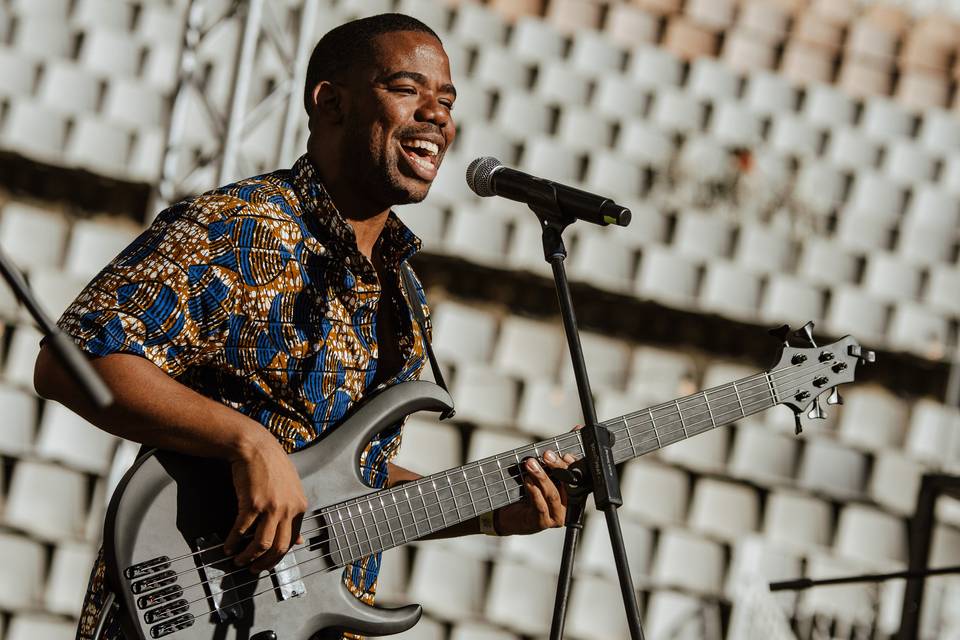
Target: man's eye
column 448, row 104
column 409, row 90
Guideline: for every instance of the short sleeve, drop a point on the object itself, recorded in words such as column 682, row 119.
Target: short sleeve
column 167, row 297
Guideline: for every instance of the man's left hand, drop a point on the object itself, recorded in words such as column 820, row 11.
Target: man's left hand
column 544, row 505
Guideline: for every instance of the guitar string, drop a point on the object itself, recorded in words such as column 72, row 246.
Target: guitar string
column 643, row 413
column 659, row 433
column 379, row 537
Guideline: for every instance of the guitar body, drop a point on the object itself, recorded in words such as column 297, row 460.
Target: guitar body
column 168, row 507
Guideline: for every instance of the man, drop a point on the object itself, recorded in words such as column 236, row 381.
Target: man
column 245, row 322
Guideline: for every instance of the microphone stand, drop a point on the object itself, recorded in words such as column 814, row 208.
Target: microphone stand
column 597, row 445
column 64, row 348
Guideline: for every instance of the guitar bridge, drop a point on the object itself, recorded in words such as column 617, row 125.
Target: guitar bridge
column 221, row 579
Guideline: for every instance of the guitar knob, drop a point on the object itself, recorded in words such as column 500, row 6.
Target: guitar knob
column 835, row 397
column 816, row 411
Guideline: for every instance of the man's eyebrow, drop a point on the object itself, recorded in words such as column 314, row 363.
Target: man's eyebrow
column 419, row 78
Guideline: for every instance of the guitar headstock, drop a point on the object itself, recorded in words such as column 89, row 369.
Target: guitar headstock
column 806, row 371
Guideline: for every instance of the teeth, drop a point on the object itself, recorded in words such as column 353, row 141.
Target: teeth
column 429, row 147
column 421, row 162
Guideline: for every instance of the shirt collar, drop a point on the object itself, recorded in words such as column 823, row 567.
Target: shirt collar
column 398, row 243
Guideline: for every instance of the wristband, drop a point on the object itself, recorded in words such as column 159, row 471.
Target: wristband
column 487, row 526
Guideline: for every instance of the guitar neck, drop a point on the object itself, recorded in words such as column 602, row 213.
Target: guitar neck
column 392, row 517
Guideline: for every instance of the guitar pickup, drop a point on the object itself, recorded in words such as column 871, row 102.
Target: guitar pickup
column 286, row 578
column 218, row 576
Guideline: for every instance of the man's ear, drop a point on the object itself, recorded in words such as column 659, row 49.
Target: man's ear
column 327, row 100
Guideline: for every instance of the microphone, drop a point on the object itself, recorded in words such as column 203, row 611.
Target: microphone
column 488, row 177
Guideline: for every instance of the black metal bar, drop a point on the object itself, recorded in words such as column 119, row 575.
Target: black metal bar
column 806, row 583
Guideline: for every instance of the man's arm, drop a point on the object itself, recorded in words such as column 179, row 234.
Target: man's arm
column 152, row 408
column 544, row 505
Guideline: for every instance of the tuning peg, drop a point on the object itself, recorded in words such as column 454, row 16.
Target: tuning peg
column 865, row 355
column 798, row 427
column 781, row 333
column 816, row 411
column 834, row 397
column 805, row 334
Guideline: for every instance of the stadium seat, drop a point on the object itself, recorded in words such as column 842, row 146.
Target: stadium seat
column 730, row 291
column 65, row 437
column 462, row 333
column 895, row 482
column 725, row 510
column 67, row 582
column 716, row 15
column 875, row 194
column 806, row 64
column 832, row 468
column 60, row 514
column 430, row 446
column 687, row 561
column 534, row 40
column 882, row 119
column 94, row 243
column 160, row 24
column 819, row 188
column 873, row 418
column 763, row 248
column 581, row 130
column 844, row 604
column 939, row 131
column 907, row 163
column 39, row 37
column 860, row 230
column 660, row 373
column 426, row 629
column 766, row 20
column 592, row 53
column 571, row 16
column 769, row 93
column 20, row 412
column 52, row 10
column 613, row 176
column 849, row 149
column 932, row 205
column 519, row 116
column 628, row 25
column 596, row 557
column 655, row 493
column 34, row 131
column 795, row 136
column 646, row 144
column 762, row 455
column 920, row 89
column 99, row 146
column 603, row 261
column 706, row 452
column 497, row 68
column 756, row 560
column 477, row 631
column 868, row 535
column 596, row 609
column 619, row 97
column 825, row 106
column 888, row 278
column 135, row 104
column 485, row 443
column 111, row 14
column 711, row 80
column 548, row 410
column 394, row 576
column 517, row 600
column 675, row 111
column 866, row 39
column 460, row 596
column 526, row 250
column 941, row 290
column 667, row 276
column 654, row 67
column 786, row 298
column 69, row 88
column 703, row 234
column 31, row 236
column 31, row 626
column 22, row 572
column 735, row 125
column 477, row 25
column 932, row 435
column 688, row 40
column 21, row 355
column 111, row 53
column 919, row 330
column 528, row 348
column 476, row 235
column 924, row 243
column 797, row 521
column 813, row 28
column 484, row 396
column 559, row 84
column 746, row 51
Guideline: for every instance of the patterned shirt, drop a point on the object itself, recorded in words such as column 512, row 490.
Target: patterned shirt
column 256, row 296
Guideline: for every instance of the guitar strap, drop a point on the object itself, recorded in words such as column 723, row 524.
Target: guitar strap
column 413, row 299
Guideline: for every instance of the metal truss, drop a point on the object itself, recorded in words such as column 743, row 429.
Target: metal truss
column 241, row 72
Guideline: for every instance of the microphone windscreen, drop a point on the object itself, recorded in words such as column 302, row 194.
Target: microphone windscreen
column 480, row 174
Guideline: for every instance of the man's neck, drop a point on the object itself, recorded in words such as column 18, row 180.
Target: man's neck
column 368, row 231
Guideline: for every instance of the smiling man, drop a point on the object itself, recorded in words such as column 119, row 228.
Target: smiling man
column 246, row 322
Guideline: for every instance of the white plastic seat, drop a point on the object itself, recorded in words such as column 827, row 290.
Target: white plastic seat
column 18, row 74
column 763, row 248
column 768, row 20
column 99, row 146
column 595, row 555
column 60, row 514
column 924, row 243
column 32, row 626
column 895, row 482
column 475, row 24
column 65, row 437
column 428, row 221
column 735, row 125
column 484, row 396
column 52, row 10
column 920, row 330
column 603, row 261
column 884, row 119
column 655, row 493
column 755, row 560
column 62, row 78
column 427, row 628
column 110, row 52
column 34, row 131
column 95, row 243
column 477, row 236
column 723, row 509
column 762, row 454
column 582, row 130
column 546, row 409
column 667, row 276
column 702, row 234
column 826, row 106
column 607, row 361
column 873, row 418
column 797, row 521
column 832, row 468
column 161, row 66
column 485, row 443
column 572, row 16
column 22, row 572
column 907, row 163
column 942, row 289
column 613, row 176
column 704, row 164
column 646, row 144
column 67, row 582
column 159, row 24
column 747, row 52
column 477, row 631
column 497, row 67
column 459, row 596
column 648, row 226
column 430, row 446
column 21, row 356
column 517, row 600
column 769, row 93
column 519, row 115
column 786, row 299
column 919, row 89
column 869, row 535
column 629, row 24
column 934, row 206
column 528, row 348
column 677, row 111
column 655, row 67
column 939, row 131
column 711, row 80
column 113, row 14
column 675, row 615
column 534, row 40
column 593, row 53
column 475, row 142
column 619, row 97
column 32, row 237
column 716, row 15
column 791, row 134
column 932, row 435
column 526, row 250
column 730, row 290
column 819, row 188
column 848, row 604
column 705, row 452
column 660, row 373
column 394, row 576
column 559, row 84
column 596, row 609
column 19, row 409
column 40, row 37
column 849, row 149
column 462, row 333
column 687, row 561
column 806, row 63
column 888, row 278
column 134, row 104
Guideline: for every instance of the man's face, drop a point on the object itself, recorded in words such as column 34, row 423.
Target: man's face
column 398, row 125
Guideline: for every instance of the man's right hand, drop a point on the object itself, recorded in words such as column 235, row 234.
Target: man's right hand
column 270, row 503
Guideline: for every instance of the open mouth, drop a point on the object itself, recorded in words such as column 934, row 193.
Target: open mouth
column 422, row 155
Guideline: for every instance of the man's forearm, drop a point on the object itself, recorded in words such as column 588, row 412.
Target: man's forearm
column 152, row 408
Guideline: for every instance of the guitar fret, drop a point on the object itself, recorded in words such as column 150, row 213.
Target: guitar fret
column 739, row 401
column 653, row 423
column 706, row 399
column 773, row 393
column 626, row 427
column 412, row 514
column 383, row 509
column 683, row 425
column 486, row 488
column 453, row 496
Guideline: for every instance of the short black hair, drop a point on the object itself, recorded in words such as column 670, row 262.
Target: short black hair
column 341, row 48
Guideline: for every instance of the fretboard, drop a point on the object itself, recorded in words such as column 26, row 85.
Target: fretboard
column 392, row 517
